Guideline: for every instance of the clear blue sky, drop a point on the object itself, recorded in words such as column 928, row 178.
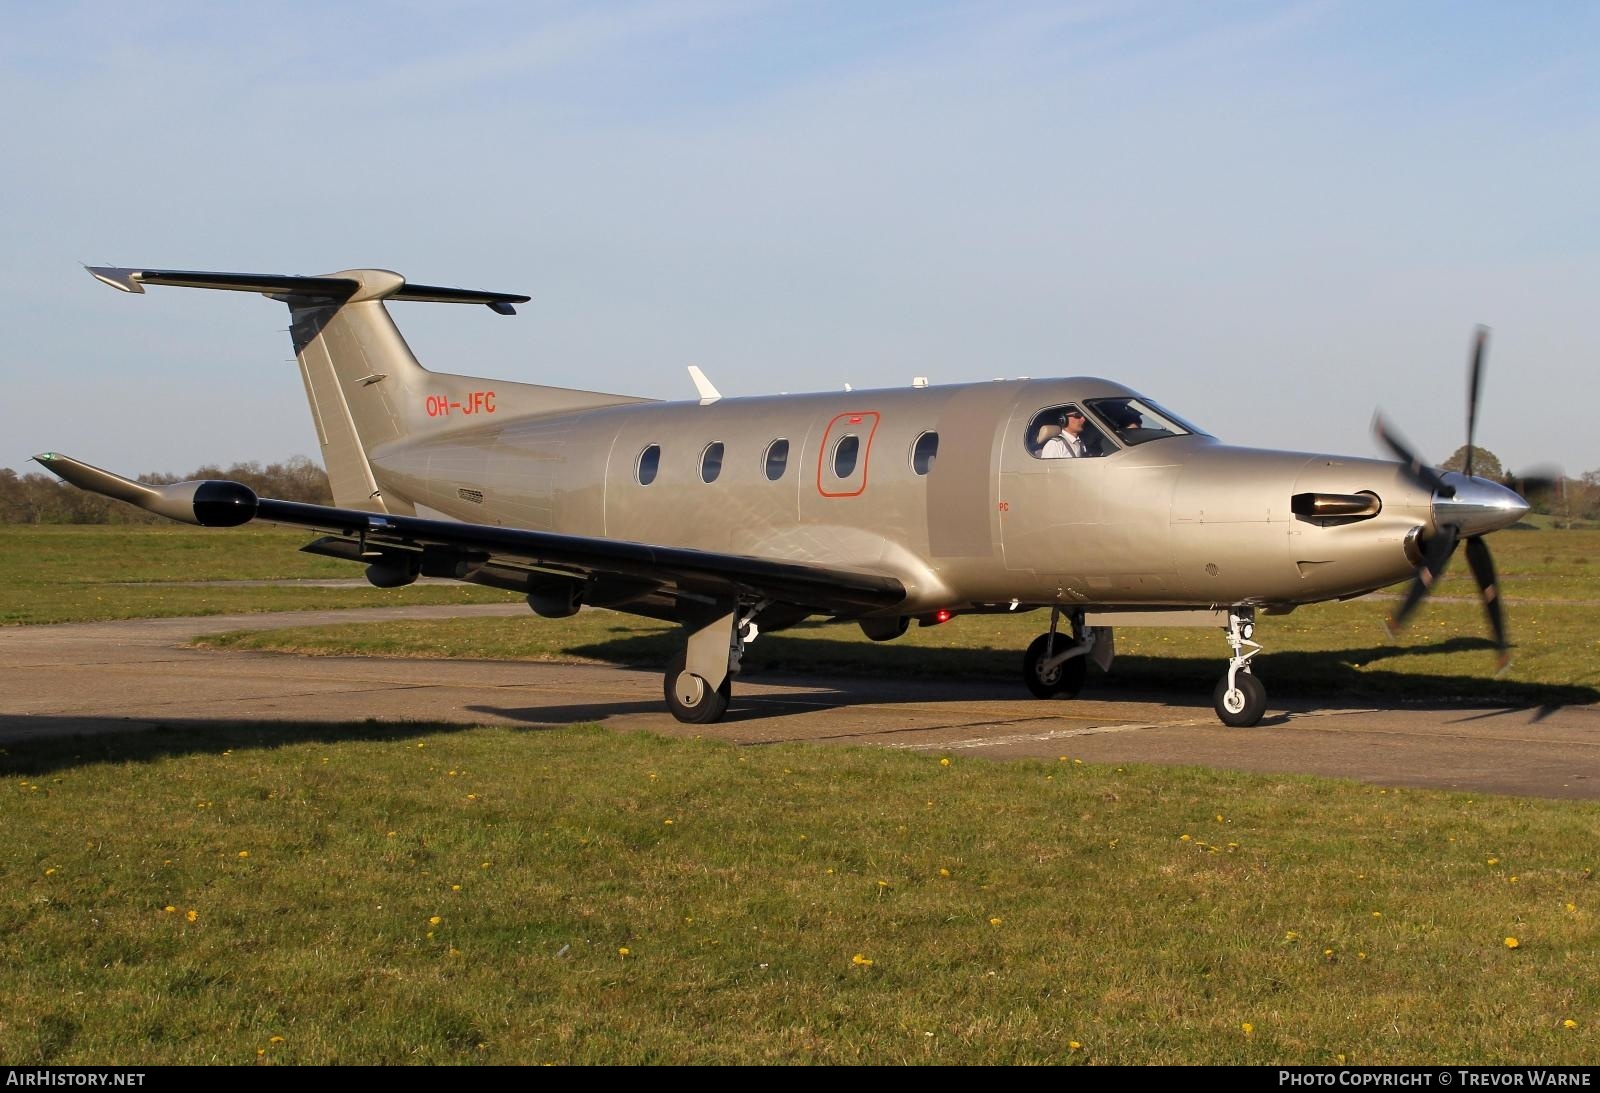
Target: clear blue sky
column 1273, row 218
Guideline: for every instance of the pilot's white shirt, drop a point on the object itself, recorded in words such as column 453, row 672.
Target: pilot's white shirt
column 1062, row 446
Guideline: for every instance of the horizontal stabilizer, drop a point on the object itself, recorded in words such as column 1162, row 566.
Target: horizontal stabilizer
column 351, row 284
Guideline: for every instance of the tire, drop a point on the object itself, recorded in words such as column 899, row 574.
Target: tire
column 699, row 704
column 1242, row 707
column 1065, row 680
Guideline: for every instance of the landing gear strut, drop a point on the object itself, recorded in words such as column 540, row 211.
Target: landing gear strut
column 1240, row 699
column 1056, row 664
column 699, row 680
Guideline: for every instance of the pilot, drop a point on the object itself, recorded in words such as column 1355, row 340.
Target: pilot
column 1068, row 443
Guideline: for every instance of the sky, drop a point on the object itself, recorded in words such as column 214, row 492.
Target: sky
column 1272, row 218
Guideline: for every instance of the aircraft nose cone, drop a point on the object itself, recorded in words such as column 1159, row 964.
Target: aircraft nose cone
column 1479, row 505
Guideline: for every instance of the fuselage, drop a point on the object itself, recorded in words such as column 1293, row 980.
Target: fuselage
column 847, row 479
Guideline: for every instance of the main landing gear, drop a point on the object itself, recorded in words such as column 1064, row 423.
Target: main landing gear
column 1056, row 664
column 1240, row 699
column 699, row 680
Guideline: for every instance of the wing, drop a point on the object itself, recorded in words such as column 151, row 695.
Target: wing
column 553, row 569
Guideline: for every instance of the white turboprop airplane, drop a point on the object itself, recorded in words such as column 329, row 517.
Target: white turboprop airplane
column 735, row 516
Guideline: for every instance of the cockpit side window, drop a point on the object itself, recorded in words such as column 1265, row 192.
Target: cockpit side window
column 1065, row 432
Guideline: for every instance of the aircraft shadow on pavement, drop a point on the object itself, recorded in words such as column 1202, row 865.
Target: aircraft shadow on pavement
column 1345, row 675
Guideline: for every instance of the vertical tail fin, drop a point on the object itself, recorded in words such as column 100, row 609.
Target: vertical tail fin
column 365, row 387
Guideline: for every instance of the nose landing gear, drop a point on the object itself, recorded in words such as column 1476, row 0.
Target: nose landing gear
column 1240, row 699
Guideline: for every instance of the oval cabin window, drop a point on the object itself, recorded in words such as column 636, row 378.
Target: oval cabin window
column 777, row 459
column 711, row 462
column 649, row 463
column 844, row 456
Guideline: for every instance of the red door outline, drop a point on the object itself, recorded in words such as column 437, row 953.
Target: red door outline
column 853, row 419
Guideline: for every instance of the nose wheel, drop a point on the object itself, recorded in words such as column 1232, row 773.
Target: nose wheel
column 1240, row 699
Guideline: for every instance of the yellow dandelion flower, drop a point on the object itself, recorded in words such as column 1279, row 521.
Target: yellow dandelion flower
column 883, row 884
column 275, row 1040
column 1377, row 914
column 1512, row 943
column 667, row 822
column 435, row 920
column 1073, row 1045
column 170, row 909
column 996, row 921
column 391, row 834
column 1512, row 880
column 50, row 872
column 1569, row 1023
column 1185, row 838
column 1361, row 956
column 943, row 872
column 1327, row 952
column 244, row 853
column 485, row 865
column 1220, row 820
column 861, row 961
column 1077, row 762
column 1494, row 861
column 261, row 1051
column 472, row 796
column 1291, row 936
column 1248, row 1028
column 455, row 888
column 944, row 761
column 1571, row 907
column 624, row 951
column 192, row 916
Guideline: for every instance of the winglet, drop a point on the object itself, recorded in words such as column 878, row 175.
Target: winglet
column 123, row 280
column 708, row 393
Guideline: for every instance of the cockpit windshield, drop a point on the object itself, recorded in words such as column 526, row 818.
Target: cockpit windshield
column 1134, row 420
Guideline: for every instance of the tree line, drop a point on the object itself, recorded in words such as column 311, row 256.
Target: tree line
column 41, row 498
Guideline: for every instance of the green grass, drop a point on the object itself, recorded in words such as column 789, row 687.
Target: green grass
column 785, row 904
column 79, row 573
column 606, row 898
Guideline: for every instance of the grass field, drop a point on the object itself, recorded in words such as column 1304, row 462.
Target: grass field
column 410, row 893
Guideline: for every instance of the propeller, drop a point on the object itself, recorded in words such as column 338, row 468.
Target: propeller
column 1464, row 507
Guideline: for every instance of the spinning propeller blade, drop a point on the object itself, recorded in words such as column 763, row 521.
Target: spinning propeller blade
column 1474, row 377
column 1419, row 472
column 1483, row 572
column 1436, row 553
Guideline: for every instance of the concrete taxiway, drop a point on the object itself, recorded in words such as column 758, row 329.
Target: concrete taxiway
column 138, row 674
